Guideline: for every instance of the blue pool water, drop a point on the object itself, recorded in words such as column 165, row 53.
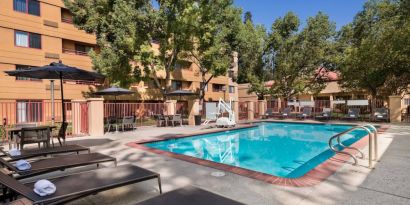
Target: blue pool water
column 287, row 150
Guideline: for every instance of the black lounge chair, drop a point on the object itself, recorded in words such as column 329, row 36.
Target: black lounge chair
column 26, row 154
column 381, row 114
column 306, row 113
column 189, row 196
column 325, row 115
column 285, row 113
column 47, row 165
column 78, row 185
column 268, row 113
column 352, row 114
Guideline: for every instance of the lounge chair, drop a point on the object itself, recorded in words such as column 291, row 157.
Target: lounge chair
column 26, row 154
column 47, row 165
column 352, row 114
column 306, row 113
column 325, row 115
column 285, row 113
column 176, row 119
column 268, row 113
column 79, row 185
column 381, row 114
column 128, row 121
column 189, row 196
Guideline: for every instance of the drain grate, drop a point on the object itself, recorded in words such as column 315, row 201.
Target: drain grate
column 218, row 174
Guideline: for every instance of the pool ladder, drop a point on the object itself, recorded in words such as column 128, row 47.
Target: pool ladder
column 371, row 130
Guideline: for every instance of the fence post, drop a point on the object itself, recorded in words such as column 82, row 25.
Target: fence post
column 395, row 108
column 279, row 104
column 95, row 116
column 193, row 108
column 262, row 107
column 170, row 107
column 250, row 110
column 236, row 110
column 76, row 115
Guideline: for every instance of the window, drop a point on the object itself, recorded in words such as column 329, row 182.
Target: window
column 176, row 85
column 231, row 89
column 218, row 88
column 25, row 67
column 28, row 40
column 81, row 49
column 66, row 16
column 29, row 111
column 27, row 6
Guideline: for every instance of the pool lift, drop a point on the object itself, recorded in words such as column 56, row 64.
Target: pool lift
column 225, row 121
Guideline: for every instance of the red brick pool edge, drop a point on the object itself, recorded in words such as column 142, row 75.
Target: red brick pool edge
column 313, row 177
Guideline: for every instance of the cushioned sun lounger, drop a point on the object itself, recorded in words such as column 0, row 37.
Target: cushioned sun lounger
column 306, row 113
column 353, row 114
column 78, row 185
column 57, row 163
column 26, row 154
column 189, row 196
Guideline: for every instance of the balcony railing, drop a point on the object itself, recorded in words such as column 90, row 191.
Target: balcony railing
column 67, row 20
column 74, row 52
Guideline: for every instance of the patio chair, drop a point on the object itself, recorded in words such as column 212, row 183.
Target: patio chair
column 176, row 119
column 352, row 114
column 161, row 120
column 306, row 113
column 325, row 115
column 35, row 135
column 112, row 122
column 285, row 113
column 79, row 185
column 26, row 154
column 189, row 195
column 128, row 122
column 48, row 165
column 268, row 113
column 381, row 114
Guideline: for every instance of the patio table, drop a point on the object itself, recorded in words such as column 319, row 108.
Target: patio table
column 16, row 131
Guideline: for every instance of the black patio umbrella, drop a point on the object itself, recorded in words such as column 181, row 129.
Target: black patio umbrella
column 58, row 71
column 181, row 93
column 114, row 91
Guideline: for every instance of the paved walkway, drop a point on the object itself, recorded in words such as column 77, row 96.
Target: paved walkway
column 388, row 183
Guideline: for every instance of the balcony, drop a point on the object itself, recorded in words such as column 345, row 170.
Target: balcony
column 74, row 52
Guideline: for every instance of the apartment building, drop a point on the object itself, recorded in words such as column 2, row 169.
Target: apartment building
column 38, row 32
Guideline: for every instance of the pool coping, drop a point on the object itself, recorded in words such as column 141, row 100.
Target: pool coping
column 311, row 178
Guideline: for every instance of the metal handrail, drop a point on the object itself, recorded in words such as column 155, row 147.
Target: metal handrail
column 364, row 127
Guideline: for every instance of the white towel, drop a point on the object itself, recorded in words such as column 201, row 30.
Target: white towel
column 14, row 152
column 324, row 115
column 44, row 187
column 23, row 165
column 352, row 115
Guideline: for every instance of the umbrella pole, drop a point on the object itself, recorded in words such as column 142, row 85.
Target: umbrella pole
column 115, row 113
column 63, row 125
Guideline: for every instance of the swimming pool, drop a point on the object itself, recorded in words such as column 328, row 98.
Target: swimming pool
column 287, row 150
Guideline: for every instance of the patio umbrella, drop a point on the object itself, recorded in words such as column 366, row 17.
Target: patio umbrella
column 58, row 71
column 181, row 93
column 114, row 91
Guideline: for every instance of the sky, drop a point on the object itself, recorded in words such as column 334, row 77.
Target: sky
column 266, row 11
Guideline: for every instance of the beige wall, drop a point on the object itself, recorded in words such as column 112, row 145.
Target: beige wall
column 60, row 35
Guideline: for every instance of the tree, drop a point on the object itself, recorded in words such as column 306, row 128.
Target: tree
column 213, row 37
column 121, row 27
column 376, row 51
column 296, row 55
column 247, row 17
column 171, row 30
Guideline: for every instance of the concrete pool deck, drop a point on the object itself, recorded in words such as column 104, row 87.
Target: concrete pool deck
column 387, row 183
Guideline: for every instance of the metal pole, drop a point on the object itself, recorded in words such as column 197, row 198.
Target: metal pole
column 52, row 102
